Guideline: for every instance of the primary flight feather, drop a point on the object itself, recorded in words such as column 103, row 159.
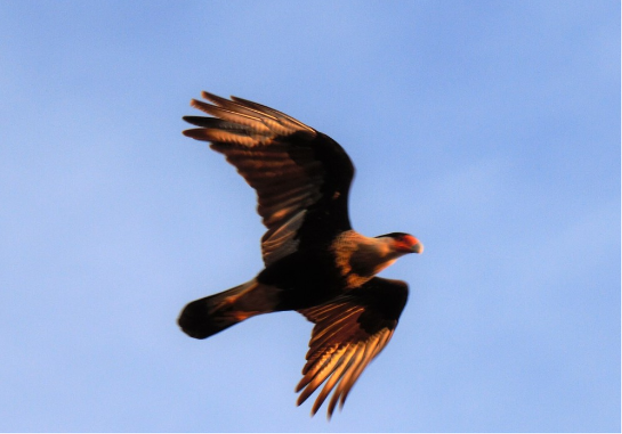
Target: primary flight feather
column 315, row 263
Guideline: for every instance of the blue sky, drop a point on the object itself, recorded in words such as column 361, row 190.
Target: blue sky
column 490, row 130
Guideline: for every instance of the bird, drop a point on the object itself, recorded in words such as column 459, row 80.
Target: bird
column 315, row 263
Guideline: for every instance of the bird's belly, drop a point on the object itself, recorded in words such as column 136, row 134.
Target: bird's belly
column 305, row 280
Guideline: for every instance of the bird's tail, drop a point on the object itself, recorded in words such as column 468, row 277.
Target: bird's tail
column 207, row 316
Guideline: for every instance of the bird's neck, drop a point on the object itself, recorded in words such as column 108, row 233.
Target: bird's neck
column 359, row 258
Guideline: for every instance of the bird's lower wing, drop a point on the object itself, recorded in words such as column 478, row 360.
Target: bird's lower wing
column 349, row 332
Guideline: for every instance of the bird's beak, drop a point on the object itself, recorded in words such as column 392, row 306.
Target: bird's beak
column 417, row 248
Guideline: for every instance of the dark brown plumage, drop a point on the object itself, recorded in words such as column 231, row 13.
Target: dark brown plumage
column 315, row 263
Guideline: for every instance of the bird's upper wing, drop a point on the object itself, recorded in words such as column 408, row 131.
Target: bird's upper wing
column 301, row 176
column 349, row 332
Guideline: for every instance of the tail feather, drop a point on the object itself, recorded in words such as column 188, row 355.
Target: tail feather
column 207, row 316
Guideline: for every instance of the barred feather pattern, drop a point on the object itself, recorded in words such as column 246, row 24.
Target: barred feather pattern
column 272, row 151
column 339, row 350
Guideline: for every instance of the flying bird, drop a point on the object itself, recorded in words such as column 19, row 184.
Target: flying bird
column 315, row 263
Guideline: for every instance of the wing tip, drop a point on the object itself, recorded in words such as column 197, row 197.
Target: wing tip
column 214, row 98
column 196, row 103
column 194, row 133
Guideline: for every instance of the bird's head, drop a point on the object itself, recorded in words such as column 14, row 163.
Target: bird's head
column 403, row 243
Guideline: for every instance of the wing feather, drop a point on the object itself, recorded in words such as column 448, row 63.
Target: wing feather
column 301, row 176
column 349, row 332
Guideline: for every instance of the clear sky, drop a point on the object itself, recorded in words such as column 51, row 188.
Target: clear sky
column 490, row 130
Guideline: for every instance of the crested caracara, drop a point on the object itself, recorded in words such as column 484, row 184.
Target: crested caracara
column 315, row 263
